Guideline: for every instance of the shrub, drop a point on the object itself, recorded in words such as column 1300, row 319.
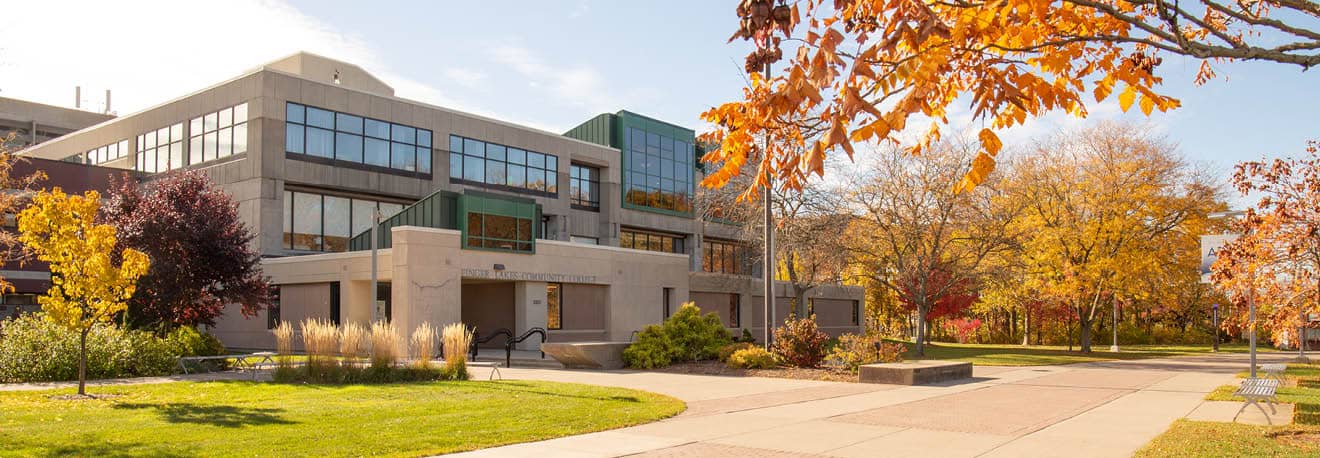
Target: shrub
column 693, row 336
column 799, row 342
column 455, row 340
column 685, row 336
column 752, row 358
column 651, row 350
column 35, row 350
column 357, row 374
column 350, row 342
column 729, row 349
column 188, row 341
column 746, row 337
column 855, row 350
column 321, row 340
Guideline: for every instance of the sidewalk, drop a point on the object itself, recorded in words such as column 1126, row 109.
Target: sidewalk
column 1093, row 409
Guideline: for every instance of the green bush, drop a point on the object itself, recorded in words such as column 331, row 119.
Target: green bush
column 854, row 350
column 728, row 350
column 694, row 336
column 746, row 337
column 752, row 358
column 188, row 341
column 35, row 350
column 799, row 342
column 364, row 374
column 685, row 336
column 651, row 350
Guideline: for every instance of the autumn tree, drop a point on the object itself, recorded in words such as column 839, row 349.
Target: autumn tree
column 203, row 255
column 90, row 282
column 1280, row 250
column 917, row 236
column 870, row 70
column 1098, row 203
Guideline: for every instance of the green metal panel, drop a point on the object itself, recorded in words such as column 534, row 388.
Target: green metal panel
column 599, row 130
column 438, row 210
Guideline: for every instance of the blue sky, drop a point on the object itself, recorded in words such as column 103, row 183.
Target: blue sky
column 548, row 64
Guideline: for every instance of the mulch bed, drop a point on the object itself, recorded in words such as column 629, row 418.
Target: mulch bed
column 718, row 368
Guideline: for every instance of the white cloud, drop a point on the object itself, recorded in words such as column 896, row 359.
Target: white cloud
column 581, row 86
column 466, row 77
column 160, row 50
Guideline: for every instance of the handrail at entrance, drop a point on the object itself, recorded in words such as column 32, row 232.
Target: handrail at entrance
column 477, row 339
column 508, row 344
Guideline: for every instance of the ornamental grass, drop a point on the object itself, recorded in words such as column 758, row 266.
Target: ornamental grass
column 386, row 344
column 423, row 345
column 456, row 339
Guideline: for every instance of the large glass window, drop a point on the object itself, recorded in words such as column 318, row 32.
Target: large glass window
column 658, row 171
column 218, row 135
column 499, row 232
column 311, row 131
column 500, row 166
column 723, row 257
column 651, row 241
column 106, row 153
column 584, row 186
column 160, row 150
column 317, row 222
column 554, row 312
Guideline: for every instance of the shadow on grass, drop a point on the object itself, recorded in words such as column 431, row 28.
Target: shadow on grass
column 89, row 448
column 512, row 386
column 214, row 415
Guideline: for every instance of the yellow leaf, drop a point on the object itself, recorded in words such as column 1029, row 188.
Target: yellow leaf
column 1147, row 104
column 1127, row 97
column 990, row 142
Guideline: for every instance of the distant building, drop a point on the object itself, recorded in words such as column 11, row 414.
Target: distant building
column 34, row 123
column 590, row 234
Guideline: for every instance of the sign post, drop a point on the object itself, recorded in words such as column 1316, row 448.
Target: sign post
column 1214, row 320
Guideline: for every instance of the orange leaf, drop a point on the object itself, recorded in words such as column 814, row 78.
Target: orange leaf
column 1127, row 97
column 990, row 142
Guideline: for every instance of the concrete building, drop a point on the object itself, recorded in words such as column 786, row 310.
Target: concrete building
column 590, row 234
column 33, row 123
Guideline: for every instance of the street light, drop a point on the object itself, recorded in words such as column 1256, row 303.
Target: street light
column 1251, row 291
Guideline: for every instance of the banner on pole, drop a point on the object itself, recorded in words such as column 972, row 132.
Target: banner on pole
column 1210, row 245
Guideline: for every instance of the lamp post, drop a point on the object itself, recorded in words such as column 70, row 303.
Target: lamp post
column 1214, row 320
column 1113, row 347
column 1251, row 293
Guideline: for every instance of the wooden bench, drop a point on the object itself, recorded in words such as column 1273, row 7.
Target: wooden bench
column 1274, row 371
column 1254, row 390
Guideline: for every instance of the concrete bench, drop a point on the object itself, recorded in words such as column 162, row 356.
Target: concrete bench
column 918, row 372
column 587, row 355
column 1254, row 390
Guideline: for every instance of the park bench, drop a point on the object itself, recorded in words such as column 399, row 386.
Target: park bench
column 244, row 362
column 1255, row 390
column 1274, row 371
column 494, row 368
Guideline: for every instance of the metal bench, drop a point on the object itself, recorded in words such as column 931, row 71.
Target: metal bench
column 494, row 368
column 1254, row 390
column 245, row 362
column 1274, row 371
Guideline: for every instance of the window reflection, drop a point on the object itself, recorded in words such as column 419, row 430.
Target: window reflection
column 317, row 222
column 658, row 171
column 651, row 241
column 350, row 138
column 495, row 165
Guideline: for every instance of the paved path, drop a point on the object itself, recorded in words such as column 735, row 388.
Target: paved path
column 1092, row 409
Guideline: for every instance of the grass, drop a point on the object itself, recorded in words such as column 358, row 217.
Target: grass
column 1045, row 355
column 253, row 418
column 1202, row 438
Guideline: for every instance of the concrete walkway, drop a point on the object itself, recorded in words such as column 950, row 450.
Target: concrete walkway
column 1092, row 409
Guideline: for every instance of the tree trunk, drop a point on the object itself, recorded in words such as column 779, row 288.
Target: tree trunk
column 1084, row 332
column 82, row 363
column 921, row 332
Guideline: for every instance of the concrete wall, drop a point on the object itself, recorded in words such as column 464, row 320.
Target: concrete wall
column 488, row 307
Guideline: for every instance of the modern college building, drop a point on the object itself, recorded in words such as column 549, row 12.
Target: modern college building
column 591, row 234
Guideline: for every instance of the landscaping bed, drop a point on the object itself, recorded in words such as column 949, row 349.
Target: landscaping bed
column 271, row 419
column 719, row 368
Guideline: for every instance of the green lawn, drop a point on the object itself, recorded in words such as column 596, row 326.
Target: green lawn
column 254, row 418
column 1202, row 438
column 1042, row 355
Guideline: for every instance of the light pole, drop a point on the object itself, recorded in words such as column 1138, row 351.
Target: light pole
column 768, row 270
column 1251, row 292
column 1214, row 320
column 1114, row 346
